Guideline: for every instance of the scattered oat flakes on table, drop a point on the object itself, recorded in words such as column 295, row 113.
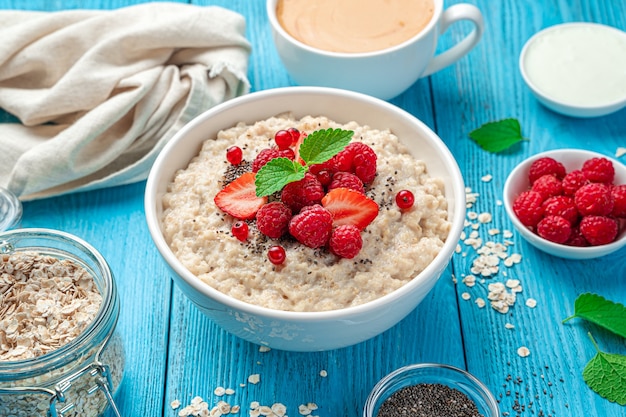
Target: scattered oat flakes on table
column 523, row 351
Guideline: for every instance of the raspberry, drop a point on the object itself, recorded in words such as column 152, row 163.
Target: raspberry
column 573, row 181
column 545, row 166
column 346, row 180
column 548, row 186
column 563, row 206
column 273, row 219
column 306, row 192
column 618, row 193
column 357, row 158
column 363, row 161
column 599, row 170
column 594, row 198
column 554, row 228
column 345, row 241
column 576, row 238
column 312, row 226
column 268, row 154
column 598, row 230
column 528, row 208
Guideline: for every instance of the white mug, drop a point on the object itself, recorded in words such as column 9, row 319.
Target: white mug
column 385, row 73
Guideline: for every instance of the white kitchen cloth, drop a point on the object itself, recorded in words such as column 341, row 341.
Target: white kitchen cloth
column 99, row 93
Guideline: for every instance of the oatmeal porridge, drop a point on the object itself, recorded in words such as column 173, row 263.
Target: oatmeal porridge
column 396, row 245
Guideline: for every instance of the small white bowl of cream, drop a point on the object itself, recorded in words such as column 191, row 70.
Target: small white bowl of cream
column 577, row 69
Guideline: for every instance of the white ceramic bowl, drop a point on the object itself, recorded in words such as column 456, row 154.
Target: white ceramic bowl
column 576, row 69
column 517, row 182
column 306, row 331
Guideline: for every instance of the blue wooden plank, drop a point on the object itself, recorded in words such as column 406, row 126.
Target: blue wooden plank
column 487, row 86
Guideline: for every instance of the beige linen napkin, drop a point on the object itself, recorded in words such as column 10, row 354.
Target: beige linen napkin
column 99, row 93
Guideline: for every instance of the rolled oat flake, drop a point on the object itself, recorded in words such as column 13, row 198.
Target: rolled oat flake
column 428, row 400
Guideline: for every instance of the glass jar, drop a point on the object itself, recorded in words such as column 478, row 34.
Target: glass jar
column 81, row 377
column 10, row 210
column 432, row 373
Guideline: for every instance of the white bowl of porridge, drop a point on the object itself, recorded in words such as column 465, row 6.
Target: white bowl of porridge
column 321, row 291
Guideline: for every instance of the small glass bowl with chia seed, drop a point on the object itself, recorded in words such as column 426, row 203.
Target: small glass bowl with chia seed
column 430, row 390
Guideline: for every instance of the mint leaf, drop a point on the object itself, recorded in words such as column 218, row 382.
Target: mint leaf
column 603, row 312
column 498, row 136
column 606, row 375
column 322, row 145
column 277, row 173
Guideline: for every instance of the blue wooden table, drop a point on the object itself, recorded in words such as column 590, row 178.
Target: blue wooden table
column 174, row 352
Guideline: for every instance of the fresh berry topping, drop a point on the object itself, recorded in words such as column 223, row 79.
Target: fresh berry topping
column 295, row 135
column 325, row 177
column 618, row 193
column 545, row 166
column 240, row 230
column 363, row 161
column 276, row 255
column 239, row 198
column 346, row 180
column 306, row 192
column 234, row 155
column 357, row 158
column 548, row 186
column 283, row 139
column 268, row 154
column 562, row 206
column 598, row 230
column 528, row 208
column 599, row 170
column 345, row 241
column 350, row 207
column 594, row 198
column 296, row 146
column 273, row 219
column 405, row 199
column 554, row 228
column 573, row 181
column 312, row 226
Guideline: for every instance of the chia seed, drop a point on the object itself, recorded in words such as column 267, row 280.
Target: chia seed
column 428, row 400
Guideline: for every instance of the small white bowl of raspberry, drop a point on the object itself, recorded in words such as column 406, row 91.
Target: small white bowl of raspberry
column 570, row 203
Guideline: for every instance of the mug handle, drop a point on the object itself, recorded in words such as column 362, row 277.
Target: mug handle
column 454, row 13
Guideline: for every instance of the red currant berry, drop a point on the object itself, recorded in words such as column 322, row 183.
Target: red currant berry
column 276, row 255
column 234, row 154
column 240, row 230
column 325, row 177
column 405, row 199
column 295, row 135
column 283, row 139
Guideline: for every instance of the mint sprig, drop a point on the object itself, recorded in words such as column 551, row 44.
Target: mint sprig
column 603, row 312
column 605, row 373
column 317, row 148
column 498, row 136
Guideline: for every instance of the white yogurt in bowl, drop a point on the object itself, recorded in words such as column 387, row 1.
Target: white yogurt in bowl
column 577, row 69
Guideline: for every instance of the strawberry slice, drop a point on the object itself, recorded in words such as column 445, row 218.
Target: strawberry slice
column 239, row 198
column 350, row 207
column 296, row 147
